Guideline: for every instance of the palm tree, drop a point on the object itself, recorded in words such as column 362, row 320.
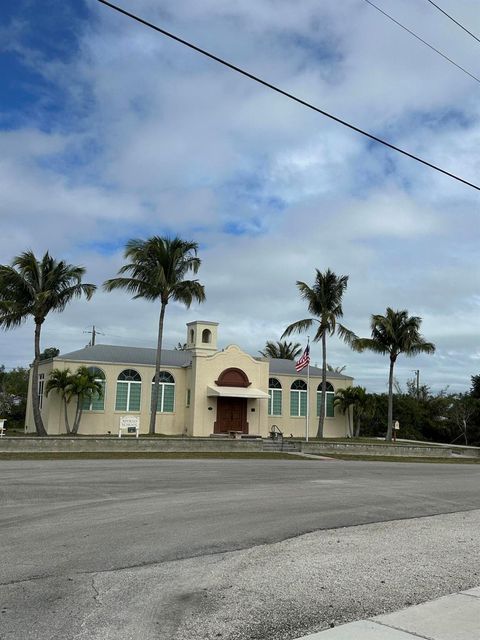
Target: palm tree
column 324, row 300
column 362, row 407
column 285, row 350
column 31, row 287
column 156, row 272
column 392, row 334
column 82, row 384
column 344, row 399
column 336, row 369
column 59, row 380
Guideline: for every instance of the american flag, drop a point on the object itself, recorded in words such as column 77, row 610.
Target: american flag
column 304, row 360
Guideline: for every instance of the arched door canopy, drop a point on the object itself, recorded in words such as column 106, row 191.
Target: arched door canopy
column 233, row 377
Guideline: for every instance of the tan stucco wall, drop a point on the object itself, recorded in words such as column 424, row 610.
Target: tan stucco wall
column 199, row 418
column 207, row 369
column 102, row 422
column 49, row 410
column 335, row 427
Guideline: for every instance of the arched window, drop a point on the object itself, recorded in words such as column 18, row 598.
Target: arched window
column 129, row 389
column 298, row 398
column 192, row 336
column 166, row 392
column 206, row 336
column 96, row 402
column 275, row 399
column 330, row 394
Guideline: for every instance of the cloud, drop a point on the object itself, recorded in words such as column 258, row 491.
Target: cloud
column 131, row 135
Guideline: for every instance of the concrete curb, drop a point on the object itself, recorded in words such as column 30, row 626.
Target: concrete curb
column 453, row 617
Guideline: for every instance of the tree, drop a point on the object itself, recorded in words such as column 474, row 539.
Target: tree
column 80, row 385
column 475, row 388
column 156, row 271
column 324, row 301
column 13, row 395
column 344, row 399
column 462, row 411
column 392, row 334
column 49, row 352
column 83, row 385
column 362, row 407
column 285, row 350
column 336, row 369
column 60, row 380
column 33, row 288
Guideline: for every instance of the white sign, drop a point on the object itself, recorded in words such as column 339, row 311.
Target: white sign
column 129, row 424
column 396, row 425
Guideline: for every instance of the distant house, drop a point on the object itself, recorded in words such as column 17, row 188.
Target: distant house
column 203, row 391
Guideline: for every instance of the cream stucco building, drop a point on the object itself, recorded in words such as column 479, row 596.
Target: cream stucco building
column 203, row 391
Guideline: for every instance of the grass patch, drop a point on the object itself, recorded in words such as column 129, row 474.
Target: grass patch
column 219, row 455
column 374, row 458
column 146, row 455
column 381, row 442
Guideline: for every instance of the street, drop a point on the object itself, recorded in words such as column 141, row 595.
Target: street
column 200, row 549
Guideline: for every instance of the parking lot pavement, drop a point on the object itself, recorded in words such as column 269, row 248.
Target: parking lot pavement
column 453, row 617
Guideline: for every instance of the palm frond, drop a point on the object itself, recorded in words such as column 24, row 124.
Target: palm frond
column 298, row 327
column 346, row 335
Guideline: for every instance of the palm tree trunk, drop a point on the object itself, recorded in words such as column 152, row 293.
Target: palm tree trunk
column 78, row 415
column 357, row 428
column 158, row 364
column 37, row 416
column 67, row 424
column 390, row 400
column 321, row 418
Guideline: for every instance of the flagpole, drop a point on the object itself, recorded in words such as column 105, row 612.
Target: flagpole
column 308, row 393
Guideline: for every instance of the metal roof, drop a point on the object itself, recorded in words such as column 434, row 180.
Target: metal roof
column 112, row 354
column 280, row 366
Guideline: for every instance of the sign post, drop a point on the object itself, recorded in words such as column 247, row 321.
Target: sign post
column 129, row 424
column 396, row 427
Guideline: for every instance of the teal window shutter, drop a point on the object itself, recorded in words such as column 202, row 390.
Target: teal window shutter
column 276, row 402
column 294, row 404
column 135, row 393
column 121, row 397
column 330, row 413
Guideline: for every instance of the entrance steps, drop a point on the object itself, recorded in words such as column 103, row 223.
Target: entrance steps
column 277, row 445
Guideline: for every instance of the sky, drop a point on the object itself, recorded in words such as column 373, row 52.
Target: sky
column 110, row 131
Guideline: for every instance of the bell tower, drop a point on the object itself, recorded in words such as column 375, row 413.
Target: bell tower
column 202, row 336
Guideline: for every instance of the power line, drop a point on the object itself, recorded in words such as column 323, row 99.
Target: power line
column 453, row 20
column 387, row 15
column 286, row 94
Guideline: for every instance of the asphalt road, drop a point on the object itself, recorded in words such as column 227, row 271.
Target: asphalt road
column 81, row 540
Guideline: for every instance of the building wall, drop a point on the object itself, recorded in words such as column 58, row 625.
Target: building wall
column 207, row 369
column 51, row 405
column 335, row 427
column 198, row 419
column 108, row 420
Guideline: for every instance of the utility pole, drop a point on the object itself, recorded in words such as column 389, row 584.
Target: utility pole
column 417, row 375
column 94, row 334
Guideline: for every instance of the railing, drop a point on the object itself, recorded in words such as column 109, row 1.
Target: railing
column 276, row 434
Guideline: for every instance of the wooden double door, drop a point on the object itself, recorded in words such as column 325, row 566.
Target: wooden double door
column 231, row 415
